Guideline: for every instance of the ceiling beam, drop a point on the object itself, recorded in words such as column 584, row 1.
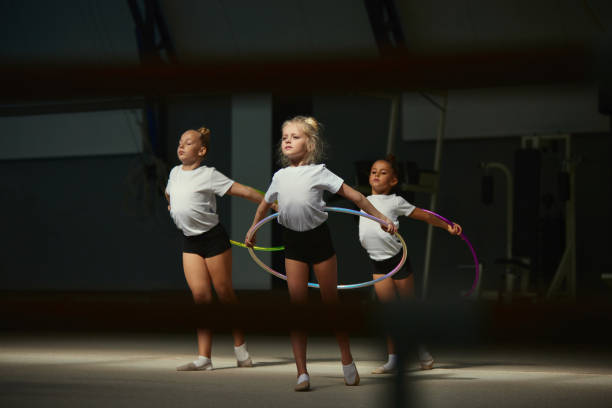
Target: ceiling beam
column 399, row 73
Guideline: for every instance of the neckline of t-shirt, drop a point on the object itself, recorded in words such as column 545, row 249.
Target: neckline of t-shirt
column 180, row 166
column 304, row 165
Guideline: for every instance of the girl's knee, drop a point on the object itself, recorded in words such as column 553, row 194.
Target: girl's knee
column 202, row 297
column 225, row 293
column 329, row 294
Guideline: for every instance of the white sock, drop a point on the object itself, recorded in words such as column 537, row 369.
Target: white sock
column 201, row 361
column 241, row 352
column 302, row 378
column 391, row 363
column 350, row 373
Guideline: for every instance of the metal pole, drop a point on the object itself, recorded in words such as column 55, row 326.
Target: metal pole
column 393, row 124
column 434, row 195
column 509, row 203
column 567, row 265
column 570, row 232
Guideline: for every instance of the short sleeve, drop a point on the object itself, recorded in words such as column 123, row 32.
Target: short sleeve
column 272, row 193
column 404, row 207
column 329, row 181
column 219, row 183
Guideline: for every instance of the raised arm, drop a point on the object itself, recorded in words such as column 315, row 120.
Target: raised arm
column 360, row 201
column 261, row 212
column 421, row 215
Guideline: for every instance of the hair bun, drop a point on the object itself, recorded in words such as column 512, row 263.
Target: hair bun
column 312, row 122
column 203, row 131
column 204, row 135
column 390, row 158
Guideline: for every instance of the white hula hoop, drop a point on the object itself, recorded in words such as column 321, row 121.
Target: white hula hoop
column 316, row 285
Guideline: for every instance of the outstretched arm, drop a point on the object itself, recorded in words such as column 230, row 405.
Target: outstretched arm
column 360, row 201
column 249, row 193
column 421, row 215
column 261, row 212
column 246, row 192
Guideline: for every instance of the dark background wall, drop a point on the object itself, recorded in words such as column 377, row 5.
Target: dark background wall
column 77, row 223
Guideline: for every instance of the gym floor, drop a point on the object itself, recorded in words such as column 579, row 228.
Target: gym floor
column 79, row 368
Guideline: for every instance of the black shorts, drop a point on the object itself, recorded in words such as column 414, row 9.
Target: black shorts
column 387, row 265
column 213, row 242
column 311, row 246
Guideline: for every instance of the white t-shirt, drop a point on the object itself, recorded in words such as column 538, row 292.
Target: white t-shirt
column 193, row 206
column 299, row 191
column 380, row 244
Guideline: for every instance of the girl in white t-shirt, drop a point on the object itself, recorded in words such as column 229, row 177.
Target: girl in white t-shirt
column 385, row 250
column 299, row 187
column 207, row 255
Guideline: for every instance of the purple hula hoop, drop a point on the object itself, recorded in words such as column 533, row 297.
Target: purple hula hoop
column 469, row 244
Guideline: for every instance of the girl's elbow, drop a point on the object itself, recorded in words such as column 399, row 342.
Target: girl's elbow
column 358, row 198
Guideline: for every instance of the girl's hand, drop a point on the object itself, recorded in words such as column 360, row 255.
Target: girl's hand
column 391, row 228
column 275, row 206
column 454, row 229
column 250, row 243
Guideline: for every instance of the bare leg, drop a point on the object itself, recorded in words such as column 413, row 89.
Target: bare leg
column 385, row 291
column 405, row 287
column 220, row 270
column 405, row 290
column 327, row 275
column 198, row 279
column 297, row 282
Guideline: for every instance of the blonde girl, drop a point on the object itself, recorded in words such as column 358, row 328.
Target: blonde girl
column 385, row 252
column 299, row 187
column 207, row 255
